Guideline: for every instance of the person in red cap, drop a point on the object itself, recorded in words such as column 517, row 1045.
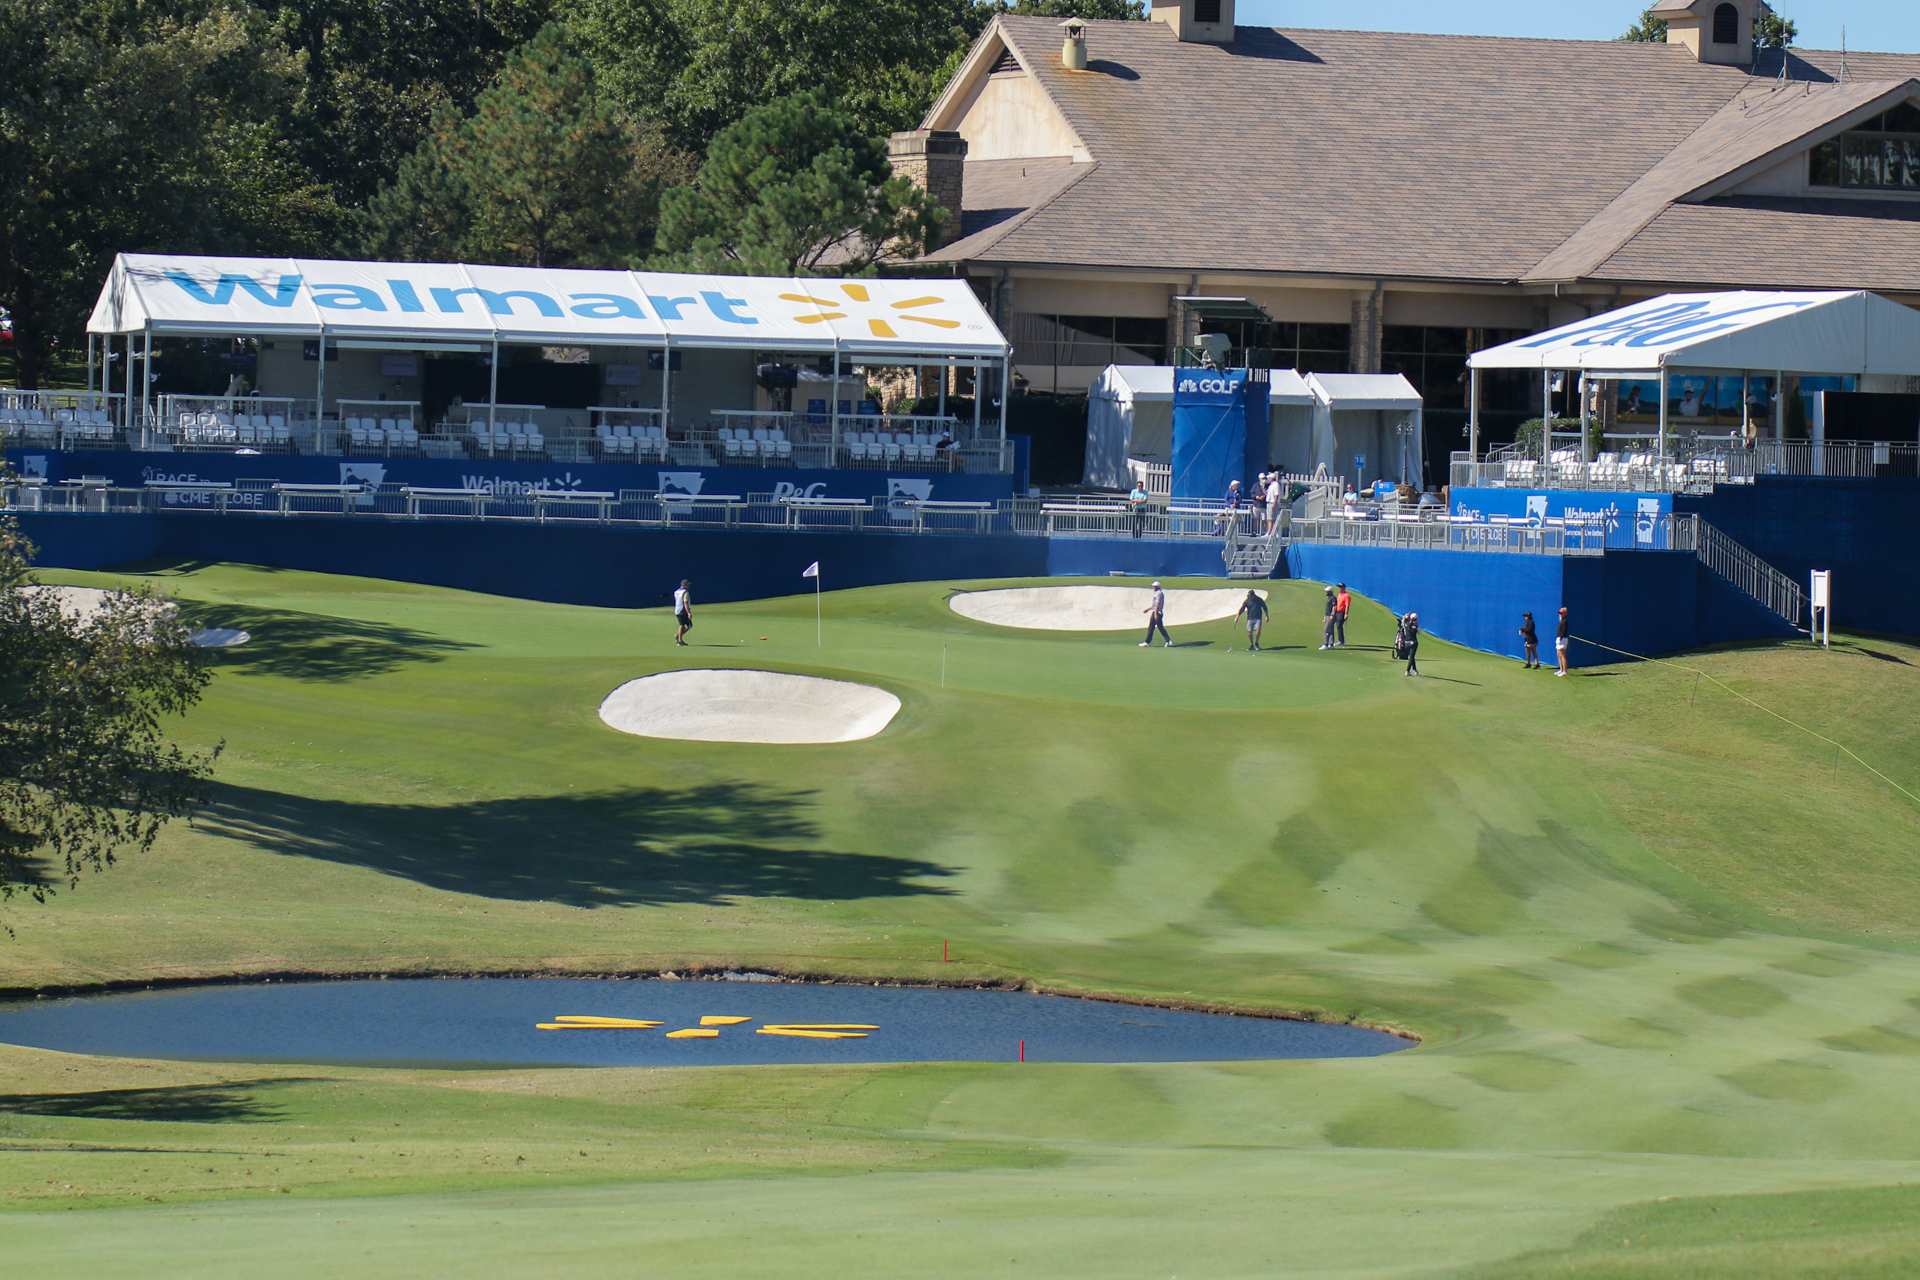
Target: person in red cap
column 1560, row 642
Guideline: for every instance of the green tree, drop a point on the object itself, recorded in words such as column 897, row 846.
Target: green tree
column 693, row 67
column 543, row 173
column 794, row 188
column 1773, row 31
column 377, row 72
column 1647, row 29
column 136, row 128
column 85, row 767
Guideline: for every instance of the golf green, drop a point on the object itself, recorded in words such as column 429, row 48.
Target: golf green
column 1658, row 945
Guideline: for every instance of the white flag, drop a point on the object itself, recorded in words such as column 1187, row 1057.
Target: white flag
column 811, row 571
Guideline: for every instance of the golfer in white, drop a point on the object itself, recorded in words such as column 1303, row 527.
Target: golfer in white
column 1156, row 612
column 683, row 610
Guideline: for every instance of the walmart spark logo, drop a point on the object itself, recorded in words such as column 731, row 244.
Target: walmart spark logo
column 860, row 299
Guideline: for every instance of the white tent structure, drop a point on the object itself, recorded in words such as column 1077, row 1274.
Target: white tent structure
column 1746, row 333
column 1369, row 422
column 453, row 307
column 1130, row 415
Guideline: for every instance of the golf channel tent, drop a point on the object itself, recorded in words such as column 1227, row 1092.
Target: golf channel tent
column 1130, row 415
column 1367, row 427
column 1746, row 332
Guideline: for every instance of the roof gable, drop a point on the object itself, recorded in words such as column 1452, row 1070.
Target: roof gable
column 1755, row 131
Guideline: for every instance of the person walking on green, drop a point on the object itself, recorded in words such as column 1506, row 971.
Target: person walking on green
column 1256, row 610
column 1156, row 612
column 683, row 611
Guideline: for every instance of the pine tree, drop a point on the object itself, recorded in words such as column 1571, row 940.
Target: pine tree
column 543, row 173
column 794, row 188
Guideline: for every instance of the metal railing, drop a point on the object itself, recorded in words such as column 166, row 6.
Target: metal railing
column 1747, row 571
column 1690, row 467
column 1448, row 533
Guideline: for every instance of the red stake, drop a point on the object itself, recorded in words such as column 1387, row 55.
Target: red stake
column 1023, row 1051
column 943, row 951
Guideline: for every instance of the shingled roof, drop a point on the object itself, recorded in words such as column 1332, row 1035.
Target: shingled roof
column 1447, row 158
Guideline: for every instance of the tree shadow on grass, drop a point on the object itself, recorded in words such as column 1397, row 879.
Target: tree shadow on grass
column 311, row 646
column 644, row 846
column 180, row 1104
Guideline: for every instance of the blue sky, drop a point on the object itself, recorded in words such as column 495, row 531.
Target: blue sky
column 1883, row 26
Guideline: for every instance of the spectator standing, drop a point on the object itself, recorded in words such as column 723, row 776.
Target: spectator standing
column 1156, row 612
column 1273, row 501
column 1256, row 610
column 1531, row 639
column 1342, row 605
column 1561, row 634
column 1326, row 636
column 683, row 610
column 1137, row 501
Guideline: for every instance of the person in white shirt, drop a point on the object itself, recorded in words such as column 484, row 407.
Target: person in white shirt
column 683, row 611
column 1273, row 501
column 1156, row 612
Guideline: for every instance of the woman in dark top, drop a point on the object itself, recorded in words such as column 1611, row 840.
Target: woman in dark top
column 1531, row 639
column 1561, row 634
column 1410, row 640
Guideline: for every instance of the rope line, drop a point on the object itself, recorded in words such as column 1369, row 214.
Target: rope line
column 1769, row 710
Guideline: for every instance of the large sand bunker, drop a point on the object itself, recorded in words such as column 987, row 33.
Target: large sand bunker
column 83, row 604
column 748, row 706
column 1092, row 608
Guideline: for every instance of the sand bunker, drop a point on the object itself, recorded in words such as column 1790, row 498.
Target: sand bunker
column 748, row 706
column 1092, row 608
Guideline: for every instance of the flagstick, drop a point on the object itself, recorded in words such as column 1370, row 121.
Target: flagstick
column 818, row 640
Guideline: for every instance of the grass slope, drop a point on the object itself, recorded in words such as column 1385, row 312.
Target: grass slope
column 1656, row 942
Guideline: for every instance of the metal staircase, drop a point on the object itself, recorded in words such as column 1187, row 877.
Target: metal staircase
column 1254, row 555
column 1748, row 573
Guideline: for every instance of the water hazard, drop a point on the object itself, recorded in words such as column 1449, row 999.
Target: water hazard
column 578, row 1022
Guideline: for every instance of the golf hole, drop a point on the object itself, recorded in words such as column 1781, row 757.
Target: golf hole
column 1093, row 608
column 652, row 1022
column 719, row 705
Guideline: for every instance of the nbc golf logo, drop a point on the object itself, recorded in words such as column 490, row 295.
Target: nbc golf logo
column 857, row 302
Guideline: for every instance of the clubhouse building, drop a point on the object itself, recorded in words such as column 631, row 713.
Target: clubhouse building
column 1396, row 202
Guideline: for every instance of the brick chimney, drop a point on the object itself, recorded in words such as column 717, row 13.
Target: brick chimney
column 935, row 161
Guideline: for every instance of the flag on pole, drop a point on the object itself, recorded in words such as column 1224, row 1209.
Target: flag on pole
column 811, row 571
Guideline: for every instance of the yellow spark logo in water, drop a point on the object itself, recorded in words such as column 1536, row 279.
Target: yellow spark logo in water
column 859, row 298
column 709, row 1027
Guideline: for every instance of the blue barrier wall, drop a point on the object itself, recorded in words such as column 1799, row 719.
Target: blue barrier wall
column 1637, row 602
column 132, row 470
column 1632, row 519
column 607, row 565
column 1862, row 529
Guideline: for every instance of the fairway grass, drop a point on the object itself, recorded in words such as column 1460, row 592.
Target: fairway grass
column 1655, row 943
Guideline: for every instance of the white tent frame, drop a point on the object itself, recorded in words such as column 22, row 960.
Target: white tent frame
column 1744, row 332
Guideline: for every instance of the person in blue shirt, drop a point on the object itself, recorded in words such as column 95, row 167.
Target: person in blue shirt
column 1256, row 610
column 1137, row 508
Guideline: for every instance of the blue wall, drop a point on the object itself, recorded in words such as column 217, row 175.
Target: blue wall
column 1862, row 529
column 1617, row 509
column 1639, row 602
column 134, row 469
column 608, row 565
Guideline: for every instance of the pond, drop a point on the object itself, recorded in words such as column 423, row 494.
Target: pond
column 471, row 1022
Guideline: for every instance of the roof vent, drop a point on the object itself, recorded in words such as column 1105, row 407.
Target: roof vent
column 1073, row 53
column 1713, row 30
column 1197, row 21
column 1006, row 62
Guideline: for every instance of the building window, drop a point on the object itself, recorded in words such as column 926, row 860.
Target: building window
column 1045, row 345
column 1882, row 154
column 1726, row 25
column 1434, row 359
column 1206, row 10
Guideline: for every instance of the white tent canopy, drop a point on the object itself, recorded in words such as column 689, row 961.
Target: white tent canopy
column 427, row 302
column 1367, row 426
column 1130, row 415
column 1808, row 333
